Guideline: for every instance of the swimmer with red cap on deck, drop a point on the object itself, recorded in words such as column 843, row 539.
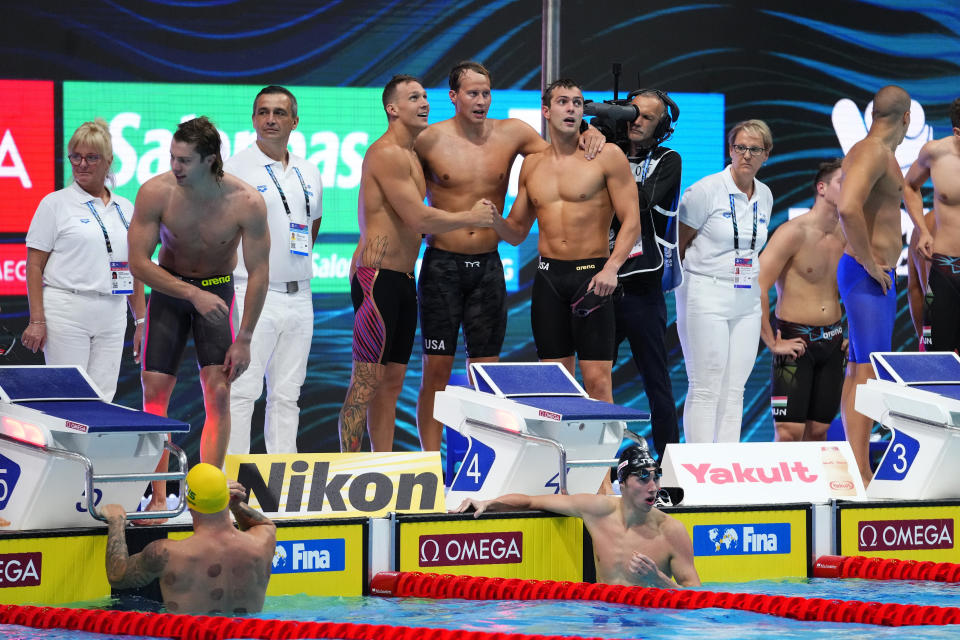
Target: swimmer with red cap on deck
column 216, row 570
column 634, row 543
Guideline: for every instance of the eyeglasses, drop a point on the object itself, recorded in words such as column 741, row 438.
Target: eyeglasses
column 77, row 158
column 644, row 474
column 754, row 151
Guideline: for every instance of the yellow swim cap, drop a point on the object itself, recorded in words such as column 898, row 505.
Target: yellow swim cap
column 207, row 489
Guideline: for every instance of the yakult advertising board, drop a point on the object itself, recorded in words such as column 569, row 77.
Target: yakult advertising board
column 762, row 472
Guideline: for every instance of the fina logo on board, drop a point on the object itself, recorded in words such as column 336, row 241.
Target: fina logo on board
column 309, row 556
column 741, row 539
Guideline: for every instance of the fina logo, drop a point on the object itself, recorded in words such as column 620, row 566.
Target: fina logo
column 309, row 556
column 739, row 540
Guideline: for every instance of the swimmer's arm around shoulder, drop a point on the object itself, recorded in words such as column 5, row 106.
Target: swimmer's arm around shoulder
column 389, row 166
column 123, row 570
column 516, row 226
column 681, row 559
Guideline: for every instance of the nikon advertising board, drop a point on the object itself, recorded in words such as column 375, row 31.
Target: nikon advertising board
column 924, row 531
column 338, row 485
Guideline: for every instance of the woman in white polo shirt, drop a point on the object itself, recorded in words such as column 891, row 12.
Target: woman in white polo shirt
column 723, row 226
column 78, row 277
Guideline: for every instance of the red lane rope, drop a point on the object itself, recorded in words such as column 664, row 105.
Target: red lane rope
column 431, row 585
column 187, row 627
column 884, row 569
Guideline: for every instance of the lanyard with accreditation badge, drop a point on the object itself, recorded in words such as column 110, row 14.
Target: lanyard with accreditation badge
column 743, row 268
column 637, row 249
column 121, row 280
column 299, row 233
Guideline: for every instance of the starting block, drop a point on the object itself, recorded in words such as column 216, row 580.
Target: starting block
column 916, row 395
column 64, row 450
column 529, row 428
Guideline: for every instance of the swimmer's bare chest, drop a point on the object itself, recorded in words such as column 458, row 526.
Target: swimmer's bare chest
column 199, row 241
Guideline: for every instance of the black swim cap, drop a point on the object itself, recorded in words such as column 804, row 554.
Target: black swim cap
column 633, row 459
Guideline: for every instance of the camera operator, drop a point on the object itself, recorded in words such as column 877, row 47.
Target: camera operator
column 652, row 267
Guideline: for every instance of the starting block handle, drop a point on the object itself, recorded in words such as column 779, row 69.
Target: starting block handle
column 181, row 476
column 561, row 451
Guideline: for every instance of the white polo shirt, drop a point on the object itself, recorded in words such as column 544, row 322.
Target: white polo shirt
column 705, row 206
column 65, row 227
column 250, row 166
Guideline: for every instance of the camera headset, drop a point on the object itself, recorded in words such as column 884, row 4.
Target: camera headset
column 671, row 113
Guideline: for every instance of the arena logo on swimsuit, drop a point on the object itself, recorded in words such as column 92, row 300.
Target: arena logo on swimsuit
column 20, row 569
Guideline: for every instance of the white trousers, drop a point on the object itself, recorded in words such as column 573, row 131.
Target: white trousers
column 719, row 329
column 279, row 350
column 86, row 329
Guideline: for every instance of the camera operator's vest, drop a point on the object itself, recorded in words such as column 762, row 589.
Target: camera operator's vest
column 656, row 247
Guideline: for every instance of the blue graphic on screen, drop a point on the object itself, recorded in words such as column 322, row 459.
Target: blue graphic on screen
column 9, row 475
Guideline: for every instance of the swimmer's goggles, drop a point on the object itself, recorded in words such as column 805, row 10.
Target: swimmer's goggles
column 644, row 474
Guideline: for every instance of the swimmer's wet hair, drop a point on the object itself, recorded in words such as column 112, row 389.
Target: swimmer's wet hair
column 390, row 90
column 565, row 83
column 825, row 170
column 456, row 74
column 202, row 133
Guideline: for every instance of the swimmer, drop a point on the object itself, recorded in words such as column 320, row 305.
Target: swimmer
column 199, row 215
column 634, row 543
column 465, row 158
column 217, row 570
column 939, row 160
column 392, row 219
column 869, row 208
column 574, row 201
column 801, row 259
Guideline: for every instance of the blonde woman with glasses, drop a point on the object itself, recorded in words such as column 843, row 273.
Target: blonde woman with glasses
column 723, row 227
column 78, row 277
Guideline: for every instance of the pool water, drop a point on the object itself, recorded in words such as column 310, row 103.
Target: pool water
column 598, row 619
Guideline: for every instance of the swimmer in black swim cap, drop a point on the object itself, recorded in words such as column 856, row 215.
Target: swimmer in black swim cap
column 636, row 460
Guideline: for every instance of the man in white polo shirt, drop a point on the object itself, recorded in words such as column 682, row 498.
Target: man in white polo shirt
column 281, row 343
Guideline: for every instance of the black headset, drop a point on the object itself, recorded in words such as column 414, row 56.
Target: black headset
column 672, row 113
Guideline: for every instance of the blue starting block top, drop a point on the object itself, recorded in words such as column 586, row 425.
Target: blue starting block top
column 45, row 383
column 512, row 380
column 103, row 417
column 65, row 393
column 580, row 408
column 918, row 369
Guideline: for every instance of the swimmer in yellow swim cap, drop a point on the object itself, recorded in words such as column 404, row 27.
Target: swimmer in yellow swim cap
column 207, row 489
column 217, row 570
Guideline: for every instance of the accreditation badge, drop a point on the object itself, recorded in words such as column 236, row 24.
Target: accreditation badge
column 299, row 239
column 121, row 280
column 744, row 271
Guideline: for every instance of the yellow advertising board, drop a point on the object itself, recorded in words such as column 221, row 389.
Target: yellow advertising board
column 52, row 569
column 753, row 543
column 518, row 546
column 340, row 485
column 325, row 558
column 903, row 530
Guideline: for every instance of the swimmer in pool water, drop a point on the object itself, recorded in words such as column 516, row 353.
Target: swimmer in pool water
column 218, row 569
column 634, row 543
